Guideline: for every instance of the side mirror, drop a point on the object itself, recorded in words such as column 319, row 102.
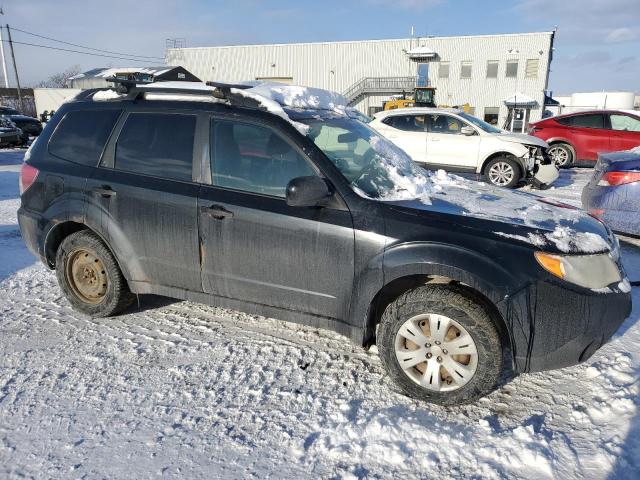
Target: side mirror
column 467, row 130
column 307, row 192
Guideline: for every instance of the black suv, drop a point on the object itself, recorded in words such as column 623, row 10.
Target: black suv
column 28, row 125
column 238, row 199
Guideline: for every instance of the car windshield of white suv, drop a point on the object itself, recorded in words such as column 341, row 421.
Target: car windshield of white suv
column 374, row 167
column 480, row 124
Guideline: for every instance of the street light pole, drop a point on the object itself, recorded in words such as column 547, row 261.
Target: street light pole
column 4, row 62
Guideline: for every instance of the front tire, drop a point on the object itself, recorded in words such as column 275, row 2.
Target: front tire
column 440, row 346
column 503, row 172
column 90, row 277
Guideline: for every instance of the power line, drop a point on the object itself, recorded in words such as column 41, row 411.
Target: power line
column 86, row 48
column 78, row 51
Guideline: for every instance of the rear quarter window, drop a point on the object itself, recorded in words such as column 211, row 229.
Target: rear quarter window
column 81, row 135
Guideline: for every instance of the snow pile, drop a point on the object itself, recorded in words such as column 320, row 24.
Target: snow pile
column 105, row 95
column 295, row 96
column 270, row 106
column 635, row 150
column 568, row 240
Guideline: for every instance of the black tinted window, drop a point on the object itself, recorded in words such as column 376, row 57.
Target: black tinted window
column 591, row 120
column 157, row 144
column 407, row 123
column 254, row 159
column 81, row 136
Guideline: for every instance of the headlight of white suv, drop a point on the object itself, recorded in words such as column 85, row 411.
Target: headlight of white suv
column 588, row 271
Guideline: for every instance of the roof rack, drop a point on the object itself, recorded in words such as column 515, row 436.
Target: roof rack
column 134, row 89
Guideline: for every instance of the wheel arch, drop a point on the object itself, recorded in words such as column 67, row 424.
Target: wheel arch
column 504, row 153
column 476, row 276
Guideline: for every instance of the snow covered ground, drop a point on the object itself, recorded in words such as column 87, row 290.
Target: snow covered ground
column 183, row 390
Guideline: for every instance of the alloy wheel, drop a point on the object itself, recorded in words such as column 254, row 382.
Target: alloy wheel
column 501, row 174
column 559, row 155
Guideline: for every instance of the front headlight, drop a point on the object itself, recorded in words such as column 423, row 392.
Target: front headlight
column 588, row 271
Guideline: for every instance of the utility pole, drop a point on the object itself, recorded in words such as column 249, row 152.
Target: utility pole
column 15, row 68
column 4, row 62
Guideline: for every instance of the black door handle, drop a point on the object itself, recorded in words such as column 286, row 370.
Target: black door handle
column 106, row 191
column 217, row 211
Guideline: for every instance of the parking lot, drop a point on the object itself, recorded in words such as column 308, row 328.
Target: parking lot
column 178, row 389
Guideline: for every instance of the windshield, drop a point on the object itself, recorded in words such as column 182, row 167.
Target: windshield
column 373, row 166
column 479, row 123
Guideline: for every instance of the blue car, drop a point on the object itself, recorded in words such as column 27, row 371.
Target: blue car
column 613, row 193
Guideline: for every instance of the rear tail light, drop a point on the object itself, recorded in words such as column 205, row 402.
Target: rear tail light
column 613, row 179
column 596, row 212
column 28, row 175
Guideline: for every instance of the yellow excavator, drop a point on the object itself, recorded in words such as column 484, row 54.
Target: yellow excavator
column 422, row 97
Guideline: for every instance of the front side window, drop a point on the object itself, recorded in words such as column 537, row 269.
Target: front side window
column 444, row 124
column 81, row 135
column 157, row 144
column 491, row 115
column 253, row 158
column 406, row 123
column 512, row 68
column 465, row 70
column 593, row 120
column 625, row 123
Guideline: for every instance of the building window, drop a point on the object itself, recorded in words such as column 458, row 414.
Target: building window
column 532, row 68
column 492, row 69
column 465, row 69
column 423, row 74
column 443, row 70
column 491, row 115
column 512, row 68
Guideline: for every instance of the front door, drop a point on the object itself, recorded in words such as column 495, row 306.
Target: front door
column 447, row 146
column 625, row 132
column 590, row 135
column 255, row 247
column 145, row 186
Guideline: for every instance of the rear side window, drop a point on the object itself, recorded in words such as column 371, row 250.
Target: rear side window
column 81, row 135
column 625, row 123
column 407, row 123
column 157, row 144
column 590, row 120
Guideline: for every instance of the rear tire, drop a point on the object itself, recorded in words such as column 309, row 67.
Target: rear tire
column 562, row 154
column 465, row 327
column 503, row 172
column 90, row 277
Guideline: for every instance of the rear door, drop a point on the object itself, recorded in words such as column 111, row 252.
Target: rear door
column 447, row 146
column 625, row 131
column 255, row 247
column 590, row 135
column 409, row 132
column 146, row 190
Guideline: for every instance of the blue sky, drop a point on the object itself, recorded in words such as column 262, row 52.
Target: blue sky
column 597, row 45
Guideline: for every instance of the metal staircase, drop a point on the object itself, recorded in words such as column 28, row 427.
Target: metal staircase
column 378, row 86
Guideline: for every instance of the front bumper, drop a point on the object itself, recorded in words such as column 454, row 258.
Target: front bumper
column 554, row 326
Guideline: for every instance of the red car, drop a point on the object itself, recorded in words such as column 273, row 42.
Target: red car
column 578, row 138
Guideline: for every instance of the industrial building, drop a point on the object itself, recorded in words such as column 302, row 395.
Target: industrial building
column 503, row 78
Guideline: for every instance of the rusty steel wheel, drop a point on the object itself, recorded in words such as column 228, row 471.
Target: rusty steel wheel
column 87, row 276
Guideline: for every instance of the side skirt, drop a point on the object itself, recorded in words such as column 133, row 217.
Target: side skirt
column 355, row 334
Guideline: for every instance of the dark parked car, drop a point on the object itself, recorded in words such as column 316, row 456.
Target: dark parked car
column 10, row 135
column 613, row 193
column 228, row 198
column 29, row 125
column 578, row 138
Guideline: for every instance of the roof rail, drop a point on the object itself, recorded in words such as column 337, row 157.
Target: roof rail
column 133, row 89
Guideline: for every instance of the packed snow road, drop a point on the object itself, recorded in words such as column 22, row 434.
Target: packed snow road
column 177, row 389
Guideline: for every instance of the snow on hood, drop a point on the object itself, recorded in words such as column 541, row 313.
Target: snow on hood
column 522, row 139
column 547, row 223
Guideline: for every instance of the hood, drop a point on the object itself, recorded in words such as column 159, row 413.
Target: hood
column 519, row 216
column 522, row 139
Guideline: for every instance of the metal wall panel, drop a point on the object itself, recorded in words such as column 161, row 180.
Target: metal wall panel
column 338, row 65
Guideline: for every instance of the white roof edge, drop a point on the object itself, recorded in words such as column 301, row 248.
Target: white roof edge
column 369, row 41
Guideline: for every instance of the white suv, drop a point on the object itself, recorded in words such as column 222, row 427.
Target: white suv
column 458, row 142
